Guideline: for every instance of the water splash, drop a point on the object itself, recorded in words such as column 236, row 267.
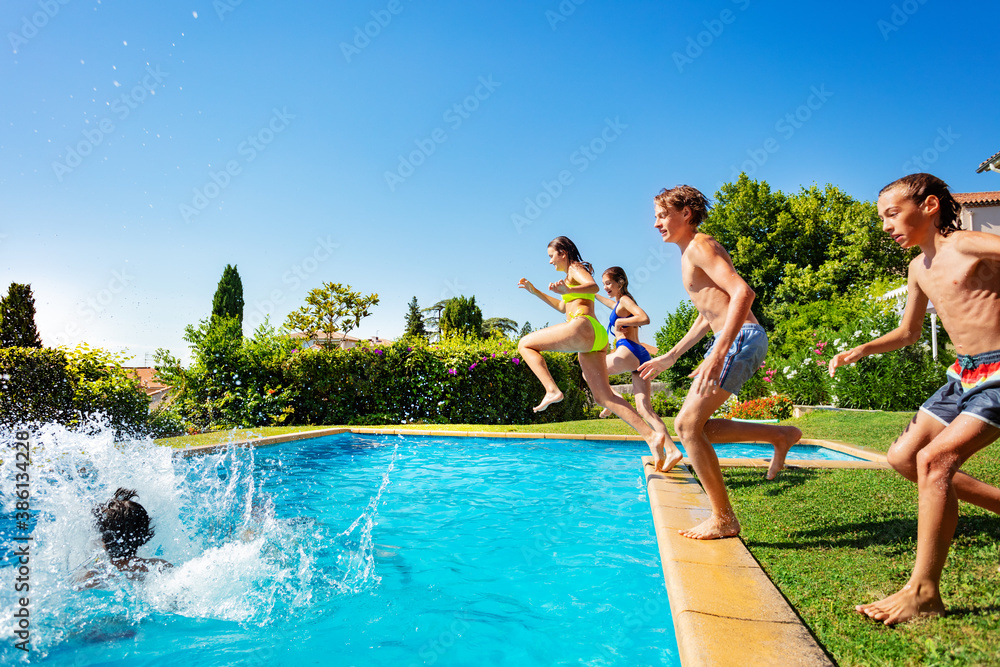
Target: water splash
column 214, row 519
column 356, row 559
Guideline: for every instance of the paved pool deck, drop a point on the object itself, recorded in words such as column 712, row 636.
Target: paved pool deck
column 726, row 610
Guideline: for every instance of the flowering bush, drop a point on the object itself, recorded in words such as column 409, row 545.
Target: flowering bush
column 778, row 406
column 897, row 380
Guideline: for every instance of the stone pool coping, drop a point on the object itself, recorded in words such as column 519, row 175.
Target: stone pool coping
column 726, row 610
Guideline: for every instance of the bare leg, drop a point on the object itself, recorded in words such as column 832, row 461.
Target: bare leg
column 917, row 435
column 595, row 372
column 781, row 437
column 619, row 361
column 937, row 462
column 641, row 390
column 690, row 424
column 569, row 337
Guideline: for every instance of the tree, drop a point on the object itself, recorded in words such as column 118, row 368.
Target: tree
column 228, row 299
column 331, row 308
column 461, row 316
column 17, row 318
column 415, row 321
column 433, row 319
column 525, row 330
column 804, row 247
column 501, row 326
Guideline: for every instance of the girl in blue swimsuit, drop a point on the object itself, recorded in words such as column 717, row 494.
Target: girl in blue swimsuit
column 628, row 353
column 581, row 333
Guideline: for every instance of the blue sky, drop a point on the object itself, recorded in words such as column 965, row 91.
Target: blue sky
column 388, row 144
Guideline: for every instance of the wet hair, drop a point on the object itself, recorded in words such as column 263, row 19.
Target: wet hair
column 564, row 245
column 123, row 524
column 617, row 274
column 684, row 195
column 918, row 187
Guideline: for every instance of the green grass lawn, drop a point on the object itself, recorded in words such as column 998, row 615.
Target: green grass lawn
column 831, row 539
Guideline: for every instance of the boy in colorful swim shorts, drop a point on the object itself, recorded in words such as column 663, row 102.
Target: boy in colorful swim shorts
column 958, row 272
column 723, row 301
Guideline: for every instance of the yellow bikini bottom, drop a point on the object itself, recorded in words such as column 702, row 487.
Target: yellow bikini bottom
column 600, row 333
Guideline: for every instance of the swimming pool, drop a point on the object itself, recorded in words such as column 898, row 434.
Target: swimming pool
column 354, row 549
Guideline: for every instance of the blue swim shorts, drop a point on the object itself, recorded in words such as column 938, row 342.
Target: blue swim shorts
column 744, row 357
column 973, row 388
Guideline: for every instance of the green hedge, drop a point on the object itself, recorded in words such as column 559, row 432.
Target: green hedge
column 459, row 380
column 69, row 386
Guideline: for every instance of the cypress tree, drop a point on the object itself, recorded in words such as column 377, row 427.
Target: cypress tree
column 415, row 321
column 228, row 299
column 17, row 318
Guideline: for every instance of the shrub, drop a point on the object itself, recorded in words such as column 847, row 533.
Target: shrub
column 667, row 405
column 778, row 406
column 68, row 386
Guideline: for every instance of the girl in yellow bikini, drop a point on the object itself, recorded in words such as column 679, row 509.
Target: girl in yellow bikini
column 581, row 333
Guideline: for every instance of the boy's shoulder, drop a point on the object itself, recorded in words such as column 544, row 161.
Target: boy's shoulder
column 704, row 246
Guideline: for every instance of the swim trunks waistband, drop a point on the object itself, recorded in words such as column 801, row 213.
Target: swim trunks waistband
column 974, row 370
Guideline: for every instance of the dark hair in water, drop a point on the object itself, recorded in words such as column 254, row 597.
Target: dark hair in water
column 564, row 245
column 918, row 187
column 617, row 274
column 685, row 195
column 123, row 524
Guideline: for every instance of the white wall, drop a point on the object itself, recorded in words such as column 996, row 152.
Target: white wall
column 982, row 219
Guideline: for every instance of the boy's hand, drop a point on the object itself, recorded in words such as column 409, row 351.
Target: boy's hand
column 842, row 358
column 708, row 373
column 654, row 367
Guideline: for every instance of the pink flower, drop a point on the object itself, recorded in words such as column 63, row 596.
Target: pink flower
column 516, row 360
column 474, row 364
column 378, row 352
column 452, row 371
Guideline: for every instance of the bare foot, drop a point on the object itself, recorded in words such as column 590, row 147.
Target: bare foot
column 790, row 435
column 657, row 444
column 903, row 606
column 713, row 528
column 548, row 400
column 673, row 457
column 605, row 413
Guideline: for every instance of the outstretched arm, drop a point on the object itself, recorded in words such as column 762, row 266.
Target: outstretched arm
column 606, row 301
column 558, row 304
column 657, row 365
column 908, row 332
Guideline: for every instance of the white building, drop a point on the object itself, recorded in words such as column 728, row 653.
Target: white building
column 980, row 211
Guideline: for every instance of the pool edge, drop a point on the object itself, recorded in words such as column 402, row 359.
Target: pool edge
column 718, row 590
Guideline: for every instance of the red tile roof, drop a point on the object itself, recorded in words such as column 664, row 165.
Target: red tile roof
column 977, row 198
column 147, row 378
column 985, row 165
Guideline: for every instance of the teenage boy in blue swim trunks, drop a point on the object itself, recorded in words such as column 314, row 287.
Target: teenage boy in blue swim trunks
column 957, row 271
column 723, row 301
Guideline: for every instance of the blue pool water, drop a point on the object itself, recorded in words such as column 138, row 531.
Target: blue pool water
column 351, row 550
column 752, row 450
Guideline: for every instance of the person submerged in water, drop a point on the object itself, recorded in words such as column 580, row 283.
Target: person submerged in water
column 124, row 526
